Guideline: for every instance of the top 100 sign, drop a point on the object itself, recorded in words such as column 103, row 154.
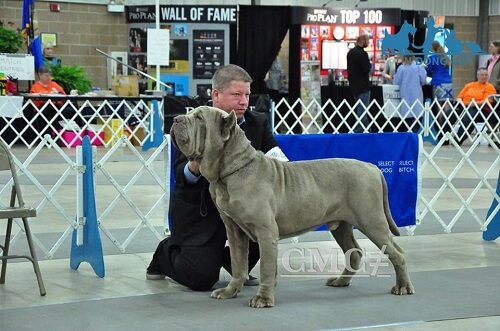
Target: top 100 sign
column 346, row 16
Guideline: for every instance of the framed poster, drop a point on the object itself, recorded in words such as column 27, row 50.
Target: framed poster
column 208, row 52
column 115, row 68
column 49, row 38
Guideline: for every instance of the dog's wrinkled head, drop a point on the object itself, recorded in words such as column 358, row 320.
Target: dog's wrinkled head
column 202, row 132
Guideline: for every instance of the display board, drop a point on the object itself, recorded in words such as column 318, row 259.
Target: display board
column 208, row 52
column 20, row 66
column 329, row 44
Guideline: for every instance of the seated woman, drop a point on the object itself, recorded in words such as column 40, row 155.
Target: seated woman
column 50, row 116
column 477, row 93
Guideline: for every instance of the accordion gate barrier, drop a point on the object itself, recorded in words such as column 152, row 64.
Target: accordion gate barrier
column 132, row 184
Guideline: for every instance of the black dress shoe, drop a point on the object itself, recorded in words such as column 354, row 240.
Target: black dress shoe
column 154, row 275
column 252, row 281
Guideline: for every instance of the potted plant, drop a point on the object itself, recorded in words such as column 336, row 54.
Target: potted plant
column 11, row 40
column 71, row 78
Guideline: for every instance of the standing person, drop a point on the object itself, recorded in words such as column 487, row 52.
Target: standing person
column 438, row 68
column 358, row 70
column 493, row 65
column 195, row 252
column 390, row 67
column 274, row 79
column 45, row 85
column 48, row 54
column 478, row 92
column 410, row 77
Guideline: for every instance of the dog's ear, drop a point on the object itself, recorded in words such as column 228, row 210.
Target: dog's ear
column 229, row 122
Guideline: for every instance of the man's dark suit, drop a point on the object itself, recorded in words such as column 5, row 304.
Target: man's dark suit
column 194, row 253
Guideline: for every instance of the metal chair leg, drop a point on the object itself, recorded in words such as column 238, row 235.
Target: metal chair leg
column 5, row 250
column 34, row 259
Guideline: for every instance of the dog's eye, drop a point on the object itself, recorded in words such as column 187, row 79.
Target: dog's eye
column 198, row 118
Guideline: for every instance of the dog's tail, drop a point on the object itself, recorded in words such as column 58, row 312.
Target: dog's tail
column 392, row 225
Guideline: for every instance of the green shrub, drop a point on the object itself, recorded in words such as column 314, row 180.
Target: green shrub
column 10, row 40
column 71, row 78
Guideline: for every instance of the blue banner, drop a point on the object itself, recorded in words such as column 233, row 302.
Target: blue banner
column 395, row 154
column 34, row 43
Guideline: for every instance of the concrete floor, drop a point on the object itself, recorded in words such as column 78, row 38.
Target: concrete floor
column 427, row 251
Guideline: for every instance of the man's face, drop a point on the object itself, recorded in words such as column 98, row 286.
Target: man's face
column 366, row 42
column 235, row 97
column 482, row 76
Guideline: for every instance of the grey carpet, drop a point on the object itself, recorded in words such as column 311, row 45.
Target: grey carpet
column 300, row 305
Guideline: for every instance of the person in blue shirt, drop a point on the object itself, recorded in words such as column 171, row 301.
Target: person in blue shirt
column 438, row 68
column 411, row 77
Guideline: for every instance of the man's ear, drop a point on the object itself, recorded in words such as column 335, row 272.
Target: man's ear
column 229, row 123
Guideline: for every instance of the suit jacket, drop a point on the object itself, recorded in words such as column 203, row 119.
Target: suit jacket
column 194, row 218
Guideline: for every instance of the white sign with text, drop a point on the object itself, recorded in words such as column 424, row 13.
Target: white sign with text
column 158, row 47
column 20, row 66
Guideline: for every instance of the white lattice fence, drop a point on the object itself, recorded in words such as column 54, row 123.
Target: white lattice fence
column 131, row 190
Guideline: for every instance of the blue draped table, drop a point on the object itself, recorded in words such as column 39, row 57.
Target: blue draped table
column 396, row 155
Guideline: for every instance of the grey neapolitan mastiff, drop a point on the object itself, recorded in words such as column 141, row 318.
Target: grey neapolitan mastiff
column 263, row 199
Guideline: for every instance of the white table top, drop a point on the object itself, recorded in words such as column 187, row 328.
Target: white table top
column 11, row 106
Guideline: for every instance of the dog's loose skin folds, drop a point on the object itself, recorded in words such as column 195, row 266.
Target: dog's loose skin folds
column 265, row 200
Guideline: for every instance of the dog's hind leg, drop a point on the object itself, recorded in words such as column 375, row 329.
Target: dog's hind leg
column 344, row 236
column 403, row 281
column 381, row 237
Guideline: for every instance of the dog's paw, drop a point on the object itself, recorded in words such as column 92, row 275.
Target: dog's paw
column 338, row 281
column 402, row 290
column 224, row 293
column 262, row 301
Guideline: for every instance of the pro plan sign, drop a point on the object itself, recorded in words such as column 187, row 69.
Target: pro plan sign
column 182, row 14
column 343, row 16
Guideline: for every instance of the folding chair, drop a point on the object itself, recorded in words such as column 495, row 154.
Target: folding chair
column 16, row 211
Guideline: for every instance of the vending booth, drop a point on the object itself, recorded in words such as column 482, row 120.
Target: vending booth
column 321, row 37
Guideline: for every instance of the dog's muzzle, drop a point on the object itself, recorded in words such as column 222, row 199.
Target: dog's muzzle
column 175, row 124
column 180, row 138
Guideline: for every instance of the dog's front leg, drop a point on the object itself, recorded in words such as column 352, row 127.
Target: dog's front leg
column 238, row 248
column 268, row 248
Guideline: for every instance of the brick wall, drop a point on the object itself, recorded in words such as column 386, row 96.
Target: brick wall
column 80, row 29
column 465, row 30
